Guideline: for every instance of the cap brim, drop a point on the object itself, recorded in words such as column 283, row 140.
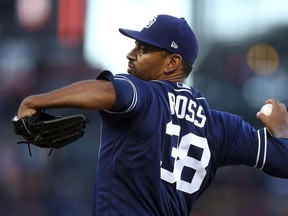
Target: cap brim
column 140, row 36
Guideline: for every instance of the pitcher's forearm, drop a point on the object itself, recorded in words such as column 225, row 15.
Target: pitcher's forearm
column 91, row 94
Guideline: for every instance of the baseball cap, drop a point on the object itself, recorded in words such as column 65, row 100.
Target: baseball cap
column 170, row 33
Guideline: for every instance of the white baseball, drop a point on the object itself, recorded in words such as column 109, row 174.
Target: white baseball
column 267, row 109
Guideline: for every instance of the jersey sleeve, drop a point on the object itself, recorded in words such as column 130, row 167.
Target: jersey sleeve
column 245, row 145
column 277, row 157
column 126, row 92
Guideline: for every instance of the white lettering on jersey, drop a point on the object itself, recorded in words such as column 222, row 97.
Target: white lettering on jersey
column 188, row 109
column 182, row 160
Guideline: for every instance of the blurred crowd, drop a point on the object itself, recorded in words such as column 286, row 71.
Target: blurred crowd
column 38, row 185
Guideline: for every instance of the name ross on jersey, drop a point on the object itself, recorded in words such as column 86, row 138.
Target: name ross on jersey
column 187, row 109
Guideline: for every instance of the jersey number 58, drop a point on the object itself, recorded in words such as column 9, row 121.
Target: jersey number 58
column 183, row 160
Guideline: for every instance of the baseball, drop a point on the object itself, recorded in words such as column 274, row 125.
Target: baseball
column 267, row 109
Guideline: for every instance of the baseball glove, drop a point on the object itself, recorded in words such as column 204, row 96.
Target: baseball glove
column 48, row 131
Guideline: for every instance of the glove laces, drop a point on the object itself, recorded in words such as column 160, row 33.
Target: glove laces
column 29, row 148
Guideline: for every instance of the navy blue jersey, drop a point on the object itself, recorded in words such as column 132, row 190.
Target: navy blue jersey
column 161, row 145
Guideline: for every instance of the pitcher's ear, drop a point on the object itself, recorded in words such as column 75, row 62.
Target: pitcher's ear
column 174, row 62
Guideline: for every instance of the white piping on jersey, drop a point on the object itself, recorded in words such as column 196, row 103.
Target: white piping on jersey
column 134, row 100
column 186, row 90
column 183, row 90
column 199, row 98
column 265, row 150
column 100, row 140
column 259, row 149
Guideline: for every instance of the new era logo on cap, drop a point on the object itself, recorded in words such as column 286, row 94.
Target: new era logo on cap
column 174, row 45
column 170, row 33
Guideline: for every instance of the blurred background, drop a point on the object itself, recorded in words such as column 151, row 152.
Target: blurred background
column 46, row 44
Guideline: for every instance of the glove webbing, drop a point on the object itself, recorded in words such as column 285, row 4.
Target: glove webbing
column 28, row 144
